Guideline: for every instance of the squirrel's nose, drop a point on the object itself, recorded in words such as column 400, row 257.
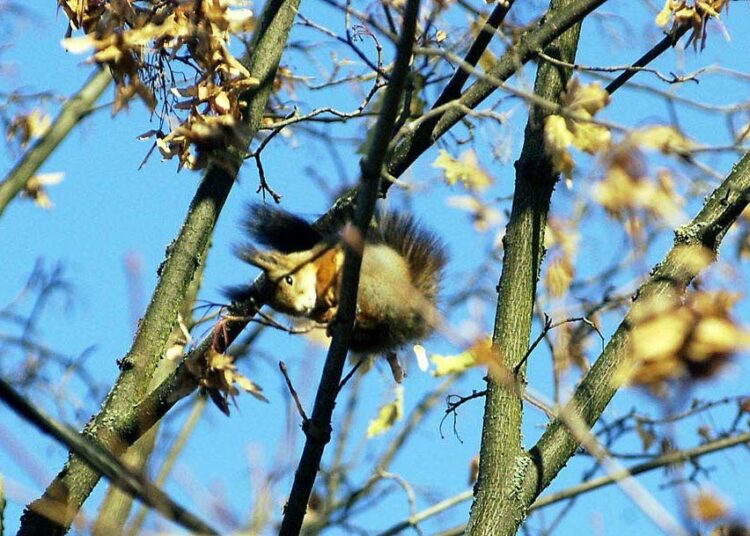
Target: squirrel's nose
column 308, row 307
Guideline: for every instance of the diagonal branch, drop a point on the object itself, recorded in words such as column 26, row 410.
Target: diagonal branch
column 556, row 22
column 452, row 89
column 76, row 480
column 673, row 273
column 103, row 462
column 74, row 109
column 662, row 46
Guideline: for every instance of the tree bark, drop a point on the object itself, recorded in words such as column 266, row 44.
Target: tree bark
column 76, row 480
column 501, row 459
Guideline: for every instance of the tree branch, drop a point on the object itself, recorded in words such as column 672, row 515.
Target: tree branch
column 672, row 274
column 318, row 429
column 74, row 109
column 556, row 22
column 114, row 509
column 657, row 462
column 76, row 480
column 103, row 462
column 452, row 89
column 501, row 446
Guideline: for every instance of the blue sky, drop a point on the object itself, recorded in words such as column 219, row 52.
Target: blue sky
column 107, row 209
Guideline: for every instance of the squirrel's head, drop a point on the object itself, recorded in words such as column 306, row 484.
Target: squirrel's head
column 292, row 278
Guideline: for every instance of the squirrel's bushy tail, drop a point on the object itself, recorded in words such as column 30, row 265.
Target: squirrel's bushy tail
column 280, row 230
column 397, row 291
column 424, row 252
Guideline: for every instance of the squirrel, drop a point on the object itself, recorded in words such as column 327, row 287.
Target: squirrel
column 402, row 265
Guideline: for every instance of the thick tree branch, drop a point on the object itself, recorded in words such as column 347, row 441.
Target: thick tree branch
column 672, row 274
column 115, row 508
column 501, row 448
column 76, row 481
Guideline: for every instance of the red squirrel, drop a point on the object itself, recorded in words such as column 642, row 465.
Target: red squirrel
column 402, row 266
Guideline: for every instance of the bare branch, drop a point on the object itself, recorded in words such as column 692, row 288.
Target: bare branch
column 318, row 427
column 75, row 109
column 104, row 463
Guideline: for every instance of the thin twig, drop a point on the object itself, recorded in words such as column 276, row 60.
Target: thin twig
column 452, row 89
column 671, row 79
column 453, row 402
column 293, row 392
column 656, row 462
column 549, row 326
column 351, row 372
column 663, row 45
column 428, row 402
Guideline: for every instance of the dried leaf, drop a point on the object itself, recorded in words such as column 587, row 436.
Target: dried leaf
column 36, row 191
column 581, row 102
column 589, row 98
column 672, row 340
column 708, row 507
column 465, row 169
column 628, row 195
column 662, row 138
column 388, row 415
column 27, row 127
column 558, row 276
column 478, row 354
column 557, row 139
column 218, row 374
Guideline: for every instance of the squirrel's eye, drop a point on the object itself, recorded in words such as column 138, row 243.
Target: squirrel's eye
column 289, row 280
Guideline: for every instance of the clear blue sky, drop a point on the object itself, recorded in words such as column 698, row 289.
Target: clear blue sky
column 106, row 209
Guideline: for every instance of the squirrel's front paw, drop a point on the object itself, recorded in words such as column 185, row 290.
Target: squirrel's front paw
column 328, row 317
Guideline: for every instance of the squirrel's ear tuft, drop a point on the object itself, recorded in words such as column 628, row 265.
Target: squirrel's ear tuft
column 244, row 252
column 266, row 261
column 279, row 229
